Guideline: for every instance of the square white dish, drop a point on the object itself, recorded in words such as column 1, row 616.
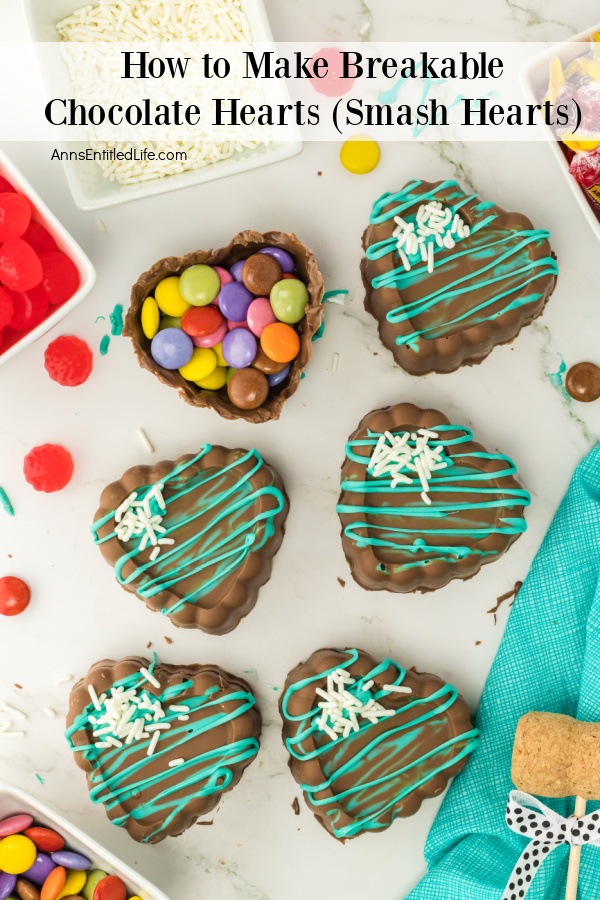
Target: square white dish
column 534, row 78
column 90, row 189
column 14, row 800
column 64, row 241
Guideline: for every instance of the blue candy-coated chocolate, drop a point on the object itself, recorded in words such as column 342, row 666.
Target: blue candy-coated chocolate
column 7, row 884
column 71, row 860
column 239, row 348
column 282, row 256
column 40, row 870
column 278, row 377
column 234, row 301
column 236, row 269
column 172, row 348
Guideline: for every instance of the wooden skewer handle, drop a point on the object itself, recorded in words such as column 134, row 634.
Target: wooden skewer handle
column 575, row 856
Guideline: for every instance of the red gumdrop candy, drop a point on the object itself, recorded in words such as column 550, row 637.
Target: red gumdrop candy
column 39, row 239
column 15, row 216
column 586, row 168
column 5, row 186
column 29, row 309
column 20, row 267
column 68, row 361
column 6, row 307
column 48, row 467
column 60, row 277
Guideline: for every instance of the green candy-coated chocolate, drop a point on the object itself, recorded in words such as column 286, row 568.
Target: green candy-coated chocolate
column 169, row 322
column 199, row 285
column 289, row 299
column 94, row 877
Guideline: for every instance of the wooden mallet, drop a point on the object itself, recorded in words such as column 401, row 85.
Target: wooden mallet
column 557, row 756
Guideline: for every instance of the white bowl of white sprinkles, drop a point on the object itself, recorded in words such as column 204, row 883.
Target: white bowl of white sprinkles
column 94, row 184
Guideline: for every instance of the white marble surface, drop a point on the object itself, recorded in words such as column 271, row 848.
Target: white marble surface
column 257, row 847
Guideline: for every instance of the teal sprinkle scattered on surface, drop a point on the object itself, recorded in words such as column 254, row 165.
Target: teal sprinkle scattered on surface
column 116, row 320
column 329, row 294
column 556, row 379
column 39, row 778
column 105, row 344
column 100, row 319
column 319, row 332
column 302, row 376
column 5, row 502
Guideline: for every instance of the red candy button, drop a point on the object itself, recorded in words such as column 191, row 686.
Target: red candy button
column 60, row 277
column 40, row 239
column 5, row 186
column 15, row 215
column 68, row 361
column 29, row 309
column 48, row 468
column 110, row 888
column 198, row 321
column 14, row 596
column 6, row 308
column 45, row 839
column 54, row 884
column 20, row 267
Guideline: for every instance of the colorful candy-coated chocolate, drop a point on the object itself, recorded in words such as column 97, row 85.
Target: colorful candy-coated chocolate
column 231, row 325
column 7, row 884
column 26, row 890
column 172, row 348
column 150, row 317
column 54, row 884
column 218, row 348
column 285, row 259
column 15, row 824
column 234, row 301
column 17, row 854
column 265, row 364
column 14, row 595
column 260, row 273
column 211, row 340
column 45, row 838
column 289, row 299
column 235, row 270
column 198, row 321
column 248, row 389
column 168, row 297
column 202, row 363
column 71, row 860
column 225, row 277
column 260, row 314
column 199, row 285
column 75, row 880
column 230, row 373
column 93, row 879
column 239, row 348
column 40, row 869
column 110, row 888
column 278, row 377
column 169, row 322
column 360, row 155
column 280, row 342
column 215, row 380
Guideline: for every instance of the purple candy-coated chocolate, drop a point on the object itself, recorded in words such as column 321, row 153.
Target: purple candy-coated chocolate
column 210, row 340
column 71, row 860
column 15, row 824
column 282, row 256
column 225, row 277
column 7, row 884
column 234, row 301
column 239, row 348
column 260, row 314
column 40, row 870
column 172, row 348
column 236, row 269
column 278, row 377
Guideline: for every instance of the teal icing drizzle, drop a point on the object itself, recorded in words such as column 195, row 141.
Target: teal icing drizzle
column 122, row 774
column 227, row 534
column 378, row 765
column 499, row 261
column 464, row 487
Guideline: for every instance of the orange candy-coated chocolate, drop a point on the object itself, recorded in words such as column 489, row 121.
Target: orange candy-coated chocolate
column 280, row 342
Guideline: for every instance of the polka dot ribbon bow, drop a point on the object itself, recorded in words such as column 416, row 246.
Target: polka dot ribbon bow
column 528, row 817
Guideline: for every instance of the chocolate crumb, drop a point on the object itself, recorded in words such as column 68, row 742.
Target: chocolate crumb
column 509, row 595
column 148, row 645
column 212, row 821
column 296, row 807
column 341, row 582
column 19, row 686
column 477, row 643
column 319, row 173
column 375, row 354
column 168, row 640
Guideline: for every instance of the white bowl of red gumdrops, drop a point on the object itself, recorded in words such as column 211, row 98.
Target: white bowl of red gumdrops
column 44, row 273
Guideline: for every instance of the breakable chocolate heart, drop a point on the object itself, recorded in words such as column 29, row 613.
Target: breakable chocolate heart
column 448, row 276
column 368, row 741
column 195, row 538
column 422, row 503
column 161, row 744
column 243, row 245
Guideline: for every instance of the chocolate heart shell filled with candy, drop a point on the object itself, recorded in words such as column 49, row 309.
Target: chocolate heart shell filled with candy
column 369, row 741
column 448, row 276
column 160, row 744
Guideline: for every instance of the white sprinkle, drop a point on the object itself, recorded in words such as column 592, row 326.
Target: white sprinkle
column 179, row 708
column 155, row 553
column 426, row 498
column 176, row 762
column 150, row 677
column 6, row 727
column 100, row 225
column 51, row 713
column 366, row 26
column 64, row 679
column 397, row 688
column 146, row 441
column 183, row 718
column 13, row 734
column 153, row 743
column 94, row 696
column 16, row 712
column 335, row 361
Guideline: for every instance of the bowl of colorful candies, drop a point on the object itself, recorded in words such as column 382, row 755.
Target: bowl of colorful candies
column 230, row 329
column 42, row 855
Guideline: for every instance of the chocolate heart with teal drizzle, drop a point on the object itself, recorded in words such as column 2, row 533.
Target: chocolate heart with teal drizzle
column 369, row 741
column 161, row 744
column 195, row 538
column 448, row 277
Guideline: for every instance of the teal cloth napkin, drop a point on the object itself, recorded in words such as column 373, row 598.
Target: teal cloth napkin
column 549, row 660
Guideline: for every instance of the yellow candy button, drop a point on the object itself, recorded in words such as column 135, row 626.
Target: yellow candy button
column 150, row 321
column 73, row 884
column 360, row 155
column 215, row 380
column 200, row 366
column 17, row 854
column 168, row 297
column 221, row 361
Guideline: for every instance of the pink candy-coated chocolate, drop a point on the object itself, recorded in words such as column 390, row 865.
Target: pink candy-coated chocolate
column 211, row 340
column 14, row 824
column 231, row 325
column 224, row 276
column 260, row 314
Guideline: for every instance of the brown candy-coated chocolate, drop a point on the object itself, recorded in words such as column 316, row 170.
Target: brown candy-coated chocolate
column 207, row 680
column 583, row 382
column 26, row 890
column 265, row 364
column 243, row 245
column 248, row 388
column 260, row 272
